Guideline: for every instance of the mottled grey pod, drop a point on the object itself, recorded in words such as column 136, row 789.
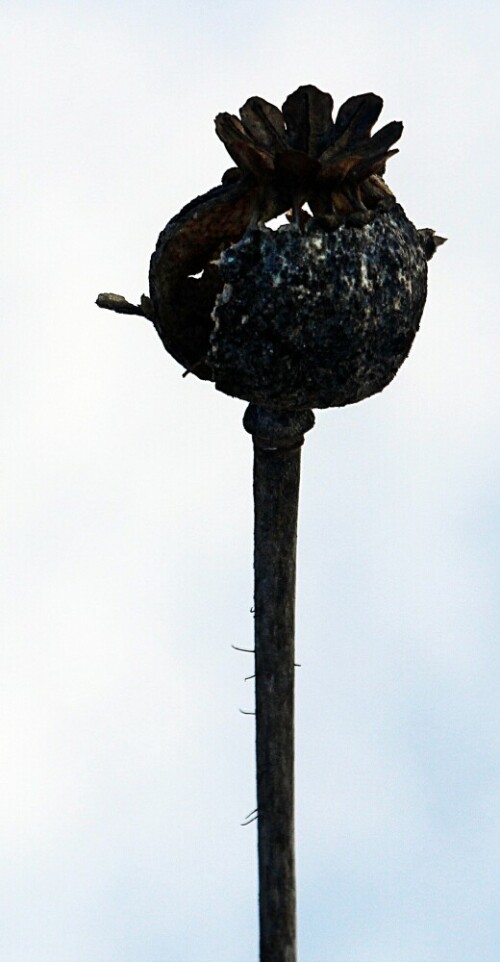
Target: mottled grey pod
column 321, row 318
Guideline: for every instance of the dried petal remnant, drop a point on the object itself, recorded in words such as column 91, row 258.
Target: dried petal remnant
column 303, row 155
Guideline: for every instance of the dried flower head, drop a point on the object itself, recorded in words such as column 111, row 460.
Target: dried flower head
column 318, row 313
column 299, row 155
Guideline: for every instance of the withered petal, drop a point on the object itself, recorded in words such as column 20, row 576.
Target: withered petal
column 308, row 117
column 386, row 136
column 338, row 168
column 264, row 123
column 245, row 153
column 368, row 157
column 355, row 166
column 186, row 246
column 366, row 167
column 356, row 118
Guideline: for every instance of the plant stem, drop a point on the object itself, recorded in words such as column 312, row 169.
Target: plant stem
column 278, row 437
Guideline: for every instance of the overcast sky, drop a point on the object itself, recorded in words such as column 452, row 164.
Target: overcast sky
column 126, row 767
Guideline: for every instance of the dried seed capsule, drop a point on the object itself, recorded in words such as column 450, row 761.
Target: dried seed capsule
column 320, row 313
column 318, row 319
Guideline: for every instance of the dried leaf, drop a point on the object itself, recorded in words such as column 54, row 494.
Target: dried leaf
column 308, row 116
column 264, row 123
column 386, row 136
column 246, row 154
column 366, row 167
column 373, row 153
column 356, row 118
column 338, row 169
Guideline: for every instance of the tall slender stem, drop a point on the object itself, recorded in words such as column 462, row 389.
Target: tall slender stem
column 278, row 437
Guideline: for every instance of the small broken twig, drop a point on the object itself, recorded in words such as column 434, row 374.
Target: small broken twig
column 119, row 304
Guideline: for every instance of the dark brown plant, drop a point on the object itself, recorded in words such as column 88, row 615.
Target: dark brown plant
column 298, row 154
column 372, row 270
column 320, row 312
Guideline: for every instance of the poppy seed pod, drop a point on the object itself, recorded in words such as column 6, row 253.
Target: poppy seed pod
column 319, row 318
column 321, row 312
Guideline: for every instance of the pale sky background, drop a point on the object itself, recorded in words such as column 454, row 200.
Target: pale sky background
column 126, row 767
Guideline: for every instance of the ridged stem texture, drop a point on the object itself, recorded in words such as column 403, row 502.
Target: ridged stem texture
column 278, row 437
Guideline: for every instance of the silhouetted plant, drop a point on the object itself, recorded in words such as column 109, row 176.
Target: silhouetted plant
column 321, row 312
